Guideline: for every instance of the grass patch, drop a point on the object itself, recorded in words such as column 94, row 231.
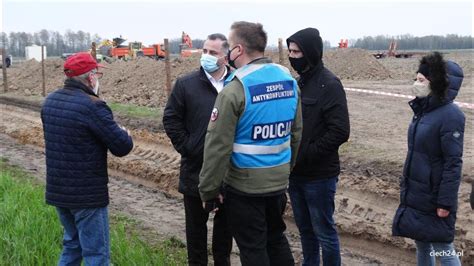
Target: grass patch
column 31, row 234
column 131, row 110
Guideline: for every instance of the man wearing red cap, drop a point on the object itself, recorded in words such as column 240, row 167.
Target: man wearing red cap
column 79, row 129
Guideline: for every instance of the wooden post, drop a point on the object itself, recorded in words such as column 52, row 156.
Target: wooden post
column 4, row 70
column 94, row 51
column 42, row 71
column 280, row 50
column 167, row 68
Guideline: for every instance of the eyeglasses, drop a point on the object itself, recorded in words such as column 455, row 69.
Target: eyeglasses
column 99, row 74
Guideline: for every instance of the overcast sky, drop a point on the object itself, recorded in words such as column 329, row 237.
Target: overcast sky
column 151, row 21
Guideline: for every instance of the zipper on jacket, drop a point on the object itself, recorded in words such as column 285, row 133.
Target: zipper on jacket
column 417, row 119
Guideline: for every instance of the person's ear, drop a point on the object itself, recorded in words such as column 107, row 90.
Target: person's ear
column 241, row 49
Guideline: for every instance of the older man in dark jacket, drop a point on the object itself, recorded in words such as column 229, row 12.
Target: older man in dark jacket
column 325, row 127
column 79, row 129
column 185, row 119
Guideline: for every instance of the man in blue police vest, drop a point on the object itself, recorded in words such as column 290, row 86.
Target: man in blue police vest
column 251, row 145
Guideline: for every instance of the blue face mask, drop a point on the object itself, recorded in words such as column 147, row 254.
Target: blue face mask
column 209, row 63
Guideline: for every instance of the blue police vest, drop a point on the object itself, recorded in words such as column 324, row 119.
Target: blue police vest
column 263, row 133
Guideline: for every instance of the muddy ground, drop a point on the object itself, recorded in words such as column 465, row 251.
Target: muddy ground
column 144, row 184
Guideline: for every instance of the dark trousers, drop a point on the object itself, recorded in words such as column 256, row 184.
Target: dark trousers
column 313, row 207
column 257, row 226
column 196, row 234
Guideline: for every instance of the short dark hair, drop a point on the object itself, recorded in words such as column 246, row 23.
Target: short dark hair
column 250, row 35
column 219, row 36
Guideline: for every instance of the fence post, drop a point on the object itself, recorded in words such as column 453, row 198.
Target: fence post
column 42, row 71
column 94, row 51
column 4, row 70
column 167, row 68
column 280, row 50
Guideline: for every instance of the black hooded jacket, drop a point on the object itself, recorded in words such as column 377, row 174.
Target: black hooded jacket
column 325, row 113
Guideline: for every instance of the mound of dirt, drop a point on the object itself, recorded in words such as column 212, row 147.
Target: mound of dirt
column 355, row 64
column 26, row 78
column 143, row 81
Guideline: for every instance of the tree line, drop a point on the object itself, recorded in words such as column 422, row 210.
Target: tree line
column 75, row 41
column 69, row 42
column 55, row 42
column 410, row 42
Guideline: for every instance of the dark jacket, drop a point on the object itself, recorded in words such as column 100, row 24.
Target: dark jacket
column 79, row 129
column 325, row 114
column 432, row 171
column 185, row 120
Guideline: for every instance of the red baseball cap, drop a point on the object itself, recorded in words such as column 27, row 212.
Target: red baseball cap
column 80, row 63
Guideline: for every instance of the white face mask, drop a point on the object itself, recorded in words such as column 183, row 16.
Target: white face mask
column 96, row 87
column 421, row 89
column 93, row 77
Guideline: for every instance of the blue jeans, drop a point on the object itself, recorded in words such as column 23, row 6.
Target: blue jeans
column 313, row 208
column 86, row 235
column 427, row 252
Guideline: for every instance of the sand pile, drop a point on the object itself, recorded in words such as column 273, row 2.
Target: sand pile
column 352, row 64
column 355, row 64
column 142, row 81
column 26, row 79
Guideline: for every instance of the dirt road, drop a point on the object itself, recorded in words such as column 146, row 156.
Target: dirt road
column 163, row 215
column 144, row 184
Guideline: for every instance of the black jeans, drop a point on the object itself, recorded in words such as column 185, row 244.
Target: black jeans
column 257, row 226
column 196, row 234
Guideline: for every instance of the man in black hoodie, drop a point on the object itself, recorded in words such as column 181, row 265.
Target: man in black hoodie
column 325, row 127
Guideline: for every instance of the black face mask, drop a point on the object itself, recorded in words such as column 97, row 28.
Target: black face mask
column 298, row 64
column 232, row 62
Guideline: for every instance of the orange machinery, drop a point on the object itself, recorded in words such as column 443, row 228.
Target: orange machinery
column 135, row 49
column 186, row 46
column 343, row 43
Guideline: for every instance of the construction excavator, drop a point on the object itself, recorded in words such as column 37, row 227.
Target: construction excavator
column 119, row 48
column 344, row 43
column 186, row 46
column 392, row 52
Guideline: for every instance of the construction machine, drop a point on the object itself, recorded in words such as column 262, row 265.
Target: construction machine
column 344, row 43
column 392, row 52
column 186, row 46
column 118, row 48
column 155, row 51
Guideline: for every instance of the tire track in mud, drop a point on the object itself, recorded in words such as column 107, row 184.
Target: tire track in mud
column 154, row 209
column 144, row 185
column 138, row 201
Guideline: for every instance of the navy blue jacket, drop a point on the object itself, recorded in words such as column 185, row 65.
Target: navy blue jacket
column 432, row 171
column 79, row 129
